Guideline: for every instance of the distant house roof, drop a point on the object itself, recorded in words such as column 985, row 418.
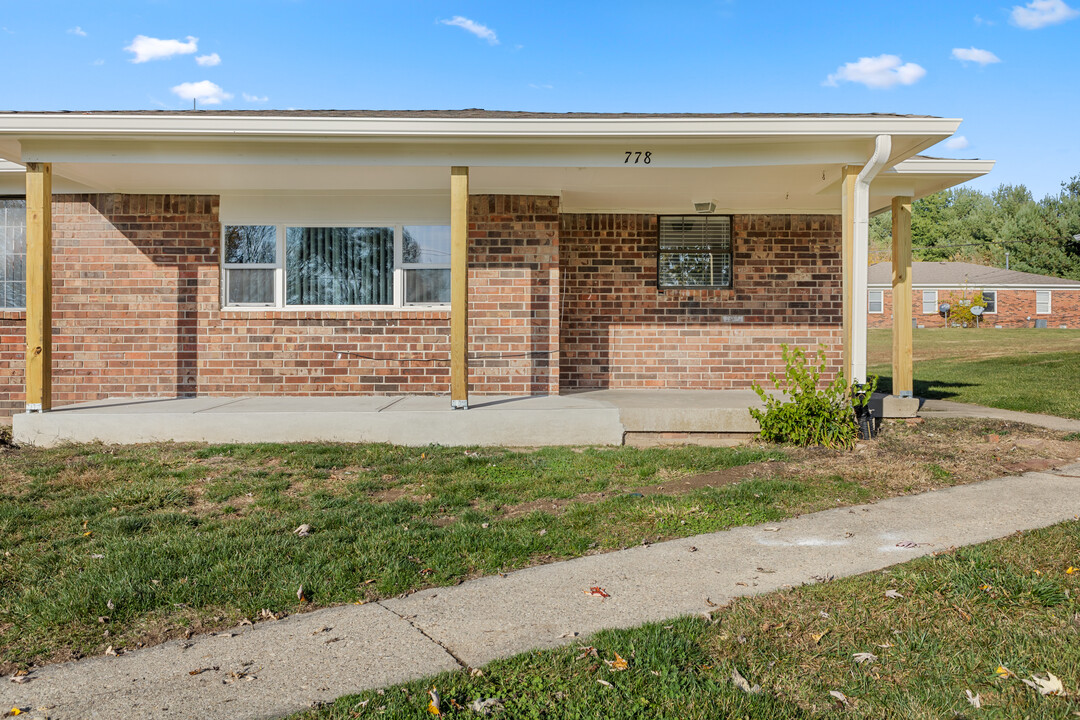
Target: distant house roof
column 956, row 274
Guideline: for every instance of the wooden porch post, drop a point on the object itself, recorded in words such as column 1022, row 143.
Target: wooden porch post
column 459, row 288
column 847, row 210
column 902, row 378
column 38, row 287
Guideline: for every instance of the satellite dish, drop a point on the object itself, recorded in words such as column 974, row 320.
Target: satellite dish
column 944, row 307
column 977, row 311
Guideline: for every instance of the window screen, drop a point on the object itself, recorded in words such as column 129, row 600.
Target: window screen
column 929, row 302
column 1042, row 302
column 876, row 303
column 695, row 251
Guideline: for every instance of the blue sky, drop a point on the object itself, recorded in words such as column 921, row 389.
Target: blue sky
column 1010, row 69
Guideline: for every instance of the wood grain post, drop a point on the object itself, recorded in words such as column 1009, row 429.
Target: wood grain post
column 38, row 287
column 902, row 378
column 459, row 288
column 848, row 176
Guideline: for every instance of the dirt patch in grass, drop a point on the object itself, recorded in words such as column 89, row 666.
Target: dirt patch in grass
column 905, row 458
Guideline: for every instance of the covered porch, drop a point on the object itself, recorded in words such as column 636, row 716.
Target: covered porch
column 439, row 169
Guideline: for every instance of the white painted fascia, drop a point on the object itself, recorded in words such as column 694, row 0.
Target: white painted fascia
column 940, row 166
column 981, row 286
column 119, row 125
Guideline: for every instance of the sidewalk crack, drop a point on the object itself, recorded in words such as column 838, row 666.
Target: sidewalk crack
column 408, row 618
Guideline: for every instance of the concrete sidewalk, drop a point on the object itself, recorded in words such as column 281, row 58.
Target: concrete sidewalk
column 951, row 409
column 275, row 668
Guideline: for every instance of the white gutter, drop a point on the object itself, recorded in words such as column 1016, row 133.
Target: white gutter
column 109, row 124
column 860, row 260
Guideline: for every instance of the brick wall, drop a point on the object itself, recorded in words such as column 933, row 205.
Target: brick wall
column 619, row 331
column 1014, row 308
column 514, row 294
column 137, row 310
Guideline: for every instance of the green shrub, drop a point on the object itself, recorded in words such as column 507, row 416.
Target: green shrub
column 806, row 413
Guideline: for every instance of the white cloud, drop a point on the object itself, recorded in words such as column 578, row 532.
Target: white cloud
column 882, row 71
column 481, row 31
column 148, row 48
column 975, row 55
column 204, row 91
column 959, row 142
column 545, row 86
column 208, row 60
column 254, row 98
column 99, row 62
column 1040, row 13
column 77, row 31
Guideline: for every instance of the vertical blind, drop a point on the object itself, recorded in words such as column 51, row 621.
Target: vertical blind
column 12, row 253
column 339, row 266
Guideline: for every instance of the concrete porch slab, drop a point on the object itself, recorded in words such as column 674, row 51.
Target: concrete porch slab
column 601, row 417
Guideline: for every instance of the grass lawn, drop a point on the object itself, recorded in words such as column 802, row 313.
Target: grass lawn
column 1022, row 369
column 959, row 617
column 129, row 546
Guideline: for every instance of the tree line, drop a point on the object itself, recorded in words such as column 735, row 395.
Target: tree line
column 961, row 224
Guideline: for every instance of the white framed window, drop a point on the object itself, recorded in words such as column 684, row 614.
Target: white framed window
column 12, row 253
column 1042, row 302
column 335, row 266
column 989, row 298
column 694, row 251
column 929, row 302
column 876, row 301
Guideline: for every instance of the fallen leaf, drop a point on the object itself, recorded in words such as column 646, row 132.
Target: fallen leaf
column 435, row 704
column 14, row 711
column 840, row 697
column 88, row 533
column 597, row 591
column 1071, row 570
column 20, row 679
column 300, row 594
column 893, row 594
column 489, row 706
column 767, row 626
column 1004, row 672
column 975, row 700
column 303, row 531
column 817, row 636
column 586, row 650
column 109, row 651
column 605, row 683
column 771, row 529
column 740, row 682
column 1050, row 685
column 476, row 672
column 710, row 603
column 246, row 621
column 110, row 605
column 619, row 663
column 907, row 544
column 864, row 657
column 97, row 556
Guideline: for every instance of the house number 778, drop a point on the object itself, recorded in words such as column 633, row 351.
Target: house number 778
column 638, row 157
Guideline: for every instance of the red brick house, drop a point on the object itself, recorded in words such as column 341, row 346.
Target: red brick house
column 1013, row 299
column 351, row 253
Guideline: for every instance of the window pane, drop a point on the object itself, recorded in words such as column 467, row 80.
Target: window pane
column 426, row 244
column 695, row 250
column 427, row 286
column 694, row 269
column 250, row 244
column 875, row 301
column 339, row 266
column 12, row 253
column 250, row 287
column 929, row 302
column 1042, row 302
column 990, row 301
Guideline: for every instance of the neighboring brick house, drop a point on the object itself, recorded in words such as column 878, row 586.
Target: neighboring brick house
column 1013, row 299
column 291, row 253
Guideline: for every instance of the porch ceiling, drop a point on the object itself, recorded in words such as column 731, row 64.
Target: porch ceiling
column 743, row 164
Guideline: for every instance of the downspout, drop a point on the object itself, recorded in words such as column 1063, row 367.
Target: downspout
column 861, row 254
